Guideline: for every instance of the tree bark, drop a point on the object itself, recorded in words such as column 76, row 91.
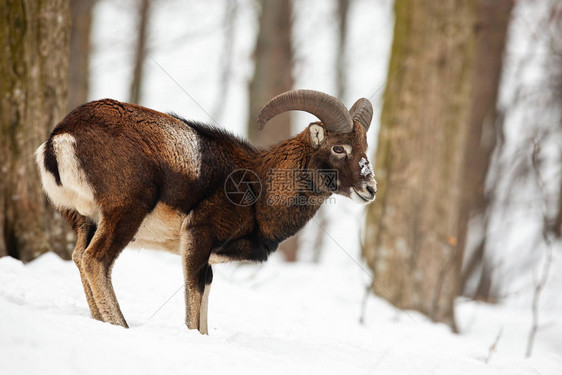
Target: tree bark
column 434, row 116
column 557, row 226
column 33, row 97
column 229, row 23
column 341, row 83
column 273, row 58
column 342, row 11
column 555, row 24
column 140, row 54
column 79, row 57
column 490, row 39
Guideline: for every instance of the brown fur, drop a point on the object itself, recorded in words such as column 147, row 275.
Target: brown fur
column 139, row 162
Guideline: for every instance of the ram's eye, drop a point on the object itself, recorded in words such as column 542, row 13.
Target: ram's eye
column 338, row 149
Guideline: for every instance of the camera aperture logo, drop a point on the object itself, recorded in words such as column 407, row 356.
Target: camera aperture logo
column 243, row 187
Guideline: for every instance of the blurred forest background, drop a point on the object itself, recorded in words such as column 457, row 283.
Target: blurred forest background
column 466, row 139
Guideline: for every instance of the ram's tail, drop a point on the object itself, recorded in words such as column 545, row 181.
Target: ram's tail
column 47, row 160
column 63, row 177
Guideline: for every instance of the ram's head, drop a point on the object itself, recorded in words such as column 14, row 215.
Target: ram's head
column 338, row 141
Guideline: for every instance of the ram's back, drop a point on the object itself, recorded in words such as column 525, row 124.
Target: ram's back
column 107, row 154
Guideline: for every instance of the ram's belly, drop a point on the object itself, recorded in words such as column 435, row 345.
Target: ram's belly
column 160, row 230
column 216, row 259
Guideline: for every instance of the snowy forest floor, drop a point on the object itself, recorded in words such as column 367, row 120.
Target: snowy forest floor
column 271, row 318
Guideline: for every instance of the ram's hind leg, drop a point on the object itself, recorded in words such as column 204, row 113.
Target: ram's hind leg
column 110, row 238
column 84, row 229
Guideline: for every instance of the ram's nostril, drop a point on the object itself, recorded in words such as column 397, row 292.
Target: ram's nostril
column 371, row 190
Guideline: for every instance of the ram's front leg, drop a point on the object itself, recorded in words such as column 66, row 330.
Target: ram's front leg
column 195, row 250
column 203, row 328
column 197, row 298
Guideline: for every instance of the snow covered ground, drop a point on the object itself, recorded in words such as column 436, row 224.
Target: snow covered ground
column 271, row 318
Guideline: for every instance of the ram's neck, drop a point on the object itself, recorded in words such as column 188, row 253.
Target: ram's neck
column 289, row 195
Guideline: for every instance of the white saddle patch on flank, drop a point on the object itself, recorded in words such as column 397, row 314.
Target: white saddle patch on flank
column 183, row 148
column 75, row 192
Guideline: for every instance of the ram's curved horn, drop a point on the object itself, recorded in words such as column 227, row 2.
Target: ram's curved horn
column 329, row 110
column 362, row 111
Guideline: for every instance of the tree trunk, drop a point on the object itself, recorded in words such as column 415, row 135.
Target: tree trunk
column 556, row 75
column 342, row 11
column 140, row 54
column 79, row 57
column 490, row 39
column 429, row 136
column 341, row 83
column 229, row 23
column 273, row 58
column 557, row 226
column 33, row 98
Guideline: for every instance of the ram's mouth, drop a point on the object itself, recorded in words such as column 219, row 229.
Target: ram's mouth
column 358, row 197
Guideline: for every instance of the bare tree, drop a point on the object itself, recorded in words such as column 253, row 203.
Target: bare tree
column 229, row 22
column 79, row 56
column 547, row 240
column 273, row 58
column 485, row 123
column 33, row 98
column 534, row 106
column 342, row 11
column 140, row 52
column 544, row 118
column 494, row 346
column 555, row 63
column 557, row 222
column 341, row 83
column 435, row 114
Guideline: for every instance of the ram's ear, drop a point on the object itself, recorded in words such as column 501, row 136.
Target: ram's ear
column 317, row 134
